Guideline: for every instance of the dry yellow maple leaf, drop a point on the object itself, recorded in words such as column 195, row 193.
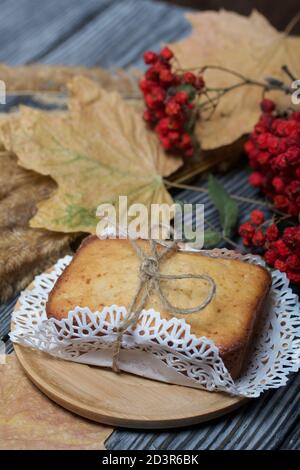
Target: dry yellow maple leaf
column 97, row 151
column 250, row 46
column 30, row 421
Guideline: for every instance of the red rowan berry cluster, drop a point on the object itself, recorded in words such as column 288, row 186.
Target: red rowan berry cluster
column 170, row 101
column 274, row 154
column 280, row 250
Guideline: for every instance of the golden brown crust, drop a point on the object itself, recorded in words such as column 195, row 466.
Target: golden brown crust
column 104, row 272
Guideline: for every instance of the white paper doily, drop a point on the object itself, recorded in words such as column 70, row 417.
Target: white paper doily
column 173, row 354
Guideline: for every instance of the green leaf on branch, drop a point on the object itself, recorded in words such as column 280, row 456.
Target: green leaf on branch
column 211, row 238
column 226, row 206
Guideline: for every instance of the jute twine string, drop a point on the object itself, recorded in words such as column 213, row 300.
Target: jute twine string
column 149, row 281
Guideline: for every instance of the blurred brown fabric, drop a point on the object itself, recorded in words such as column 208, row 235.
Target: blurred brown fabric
column 279, row 13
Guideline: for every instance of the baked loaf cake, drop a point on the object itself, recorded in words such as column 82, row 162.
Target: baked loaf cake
column 105, row 272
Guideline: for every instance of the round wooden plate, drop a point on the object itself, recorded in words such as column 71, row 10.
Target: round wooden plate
column 122, row 399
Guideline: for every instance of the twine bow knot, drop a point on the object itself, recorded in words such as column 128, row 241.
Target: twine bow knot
column 149, row 280
column 149, row 268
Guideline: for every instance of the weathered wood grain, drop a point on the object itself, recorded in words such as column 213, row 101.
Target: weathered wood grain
column 292, row 439
column 120, row 35
column 30, row 28
column 258, row 425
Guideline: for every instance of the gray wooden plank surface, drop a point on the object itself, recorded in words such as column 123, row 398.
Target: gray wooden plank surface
column 292, row 440
column 120, row 35
column 258, row 425
column 115, row 33
column 30, row 28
